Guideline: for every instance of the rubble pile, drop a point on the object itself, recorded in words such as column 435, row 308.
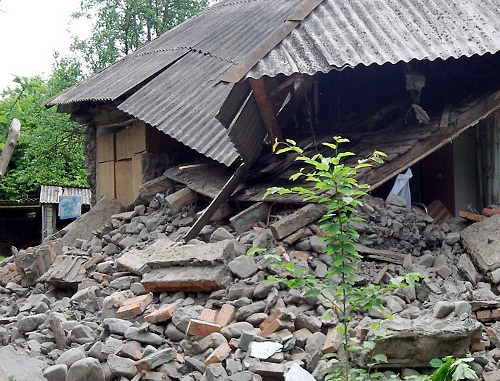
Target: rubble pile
column 129, row 302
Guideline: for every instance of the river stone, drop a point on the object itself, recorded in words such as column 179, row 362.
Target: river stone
column 85, row 370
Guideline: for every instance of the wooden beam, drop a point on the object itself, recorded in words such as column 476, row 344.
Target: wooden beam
column 266, row 109
column 221, row 198
column 8, row 148
column 481, row 110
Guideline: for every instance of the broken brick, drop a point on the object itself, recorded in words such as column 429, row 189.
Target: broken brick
column 332, row 341
column 276, row 324
column 100, row 277
column 483, row 315
column 134, row 306
column 219, row 354
column 301, row 336
column 274, row 315
column 208, row 315
column 478, row 346
column 225, row 315
column 201, row 328
column 161, row 315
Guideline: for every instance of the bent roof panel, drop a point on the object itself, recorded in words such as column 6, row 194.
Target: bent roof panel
column 341, row 33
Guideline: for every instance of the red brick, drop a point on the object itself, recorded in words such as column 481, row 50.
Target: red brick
column 100, row 277
column 495, row 314
column 148, row 375
column 160, row 315
column 201, row 328
column 284, row 333
column 276, row 324
column 302, row 255
column 9, row 273
column 483, row 315
column 208, row 315
column 134, row 306
column 219, row 354
column 234, row 343
column 225, row 315
column 332, row 341
column 301, row 336
column 276, row 314
column 478, row 346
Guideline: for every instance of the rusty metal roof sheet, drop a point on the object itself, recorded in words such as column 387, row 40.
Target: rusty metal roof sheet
column 49, row 194
column 347, row 33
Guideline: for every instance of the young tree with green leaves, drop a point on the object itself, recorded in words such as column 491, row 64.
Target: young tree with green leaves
column 50, row 147
column 122, row 26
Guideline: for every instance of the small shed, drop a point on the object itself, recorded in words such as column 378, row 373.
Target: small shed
column 49, row 200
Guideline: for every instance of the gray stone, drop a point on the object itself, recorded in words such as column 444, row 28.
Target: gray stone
column 143, row 336
column 174, row 333
column 426, row 260
column 20, row 367
column 195, row 364
column 82, row 334
column 236, row 329
column 71, row 356
column 221, row 234
column 155, row 360
column 85, row 370
column 314, row 344
column 124, row 282
column 183, row 315
column 243, row 267
column 129, row 241
column 96, row 351
column 444, row 271
column 114, row 301
column 495, row 276
column 442, row 309
column 311, row 322
column 4, row 336
column 482, row 241
column 318, row 244
column 56, row 372
column 467, row 269
column 452, row 238
column 121, row 366
column 263, row 289
column 110, row 347
column 215, row 372
column 395, row 200
column 240, row 290
column 244, row 312
column 31, row 323
column 117, row 326
column 462, row 307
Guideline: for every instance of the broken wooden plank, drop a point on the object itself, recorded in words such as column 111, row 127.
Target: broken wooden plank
column 381, row 254
column 298, row 219
column 471, row 216
column 380, row 275
column 179, row 199
column 247, row 218
column 445, row 117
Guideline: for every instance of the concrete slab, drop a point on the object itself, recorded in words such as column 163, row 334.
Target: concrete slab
column 163, row 253
column 83, row 226
column 188, row 279
column 482, row 241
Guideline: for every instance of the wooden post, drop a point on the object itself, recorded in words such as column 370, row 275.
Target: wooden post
column 221, row 198
column 266, row 109
column 10, row 144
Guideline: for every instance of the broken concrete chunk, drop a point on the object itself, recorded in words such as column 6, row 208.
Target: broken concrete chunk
column 163, row 253
column 243, row 267
column 297, row 373
column 66, row 272
column 483, row 244
column 208, row 278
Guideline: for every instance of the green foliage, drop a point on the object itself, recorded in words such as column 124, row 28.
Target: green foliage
column 122, row 26
column 452, row 369
column 334, row 184
column 50, row 147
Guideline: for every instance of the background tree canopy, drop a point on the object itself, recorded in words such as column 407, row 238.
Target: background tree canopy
column 50, row 147
column 122, row 26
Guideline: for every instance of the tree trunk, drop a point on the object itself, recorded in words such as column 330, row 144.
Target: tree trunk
column 10, row 144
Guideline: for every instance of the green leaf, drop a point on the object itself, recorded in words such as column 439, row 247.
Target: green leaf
column 253, row 250
column 380, row 358
column 436, row 363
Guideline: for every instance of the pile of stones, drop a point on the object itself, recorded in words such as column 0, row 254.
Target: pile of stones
column 118, row 324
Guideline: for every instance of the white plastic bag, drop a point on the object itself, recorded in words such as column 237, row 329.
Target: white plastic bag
column 401, row 187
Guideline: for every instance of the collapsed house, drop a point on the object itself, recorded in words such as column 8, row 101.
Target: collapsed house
column 417, row 81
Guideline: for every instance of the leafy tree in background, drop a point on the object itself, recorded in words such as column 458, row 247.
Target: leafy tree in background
column 122, row 26
column 50, row 147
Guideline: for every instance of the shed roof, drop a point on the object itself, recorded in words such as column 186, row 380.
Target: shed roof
column 178, row 82
column 49, row 194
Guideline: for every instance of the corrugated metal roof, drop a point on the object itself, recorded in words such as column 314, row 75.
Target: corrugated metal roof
column 347, row 33
column 49, row 194
column 183, row 99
